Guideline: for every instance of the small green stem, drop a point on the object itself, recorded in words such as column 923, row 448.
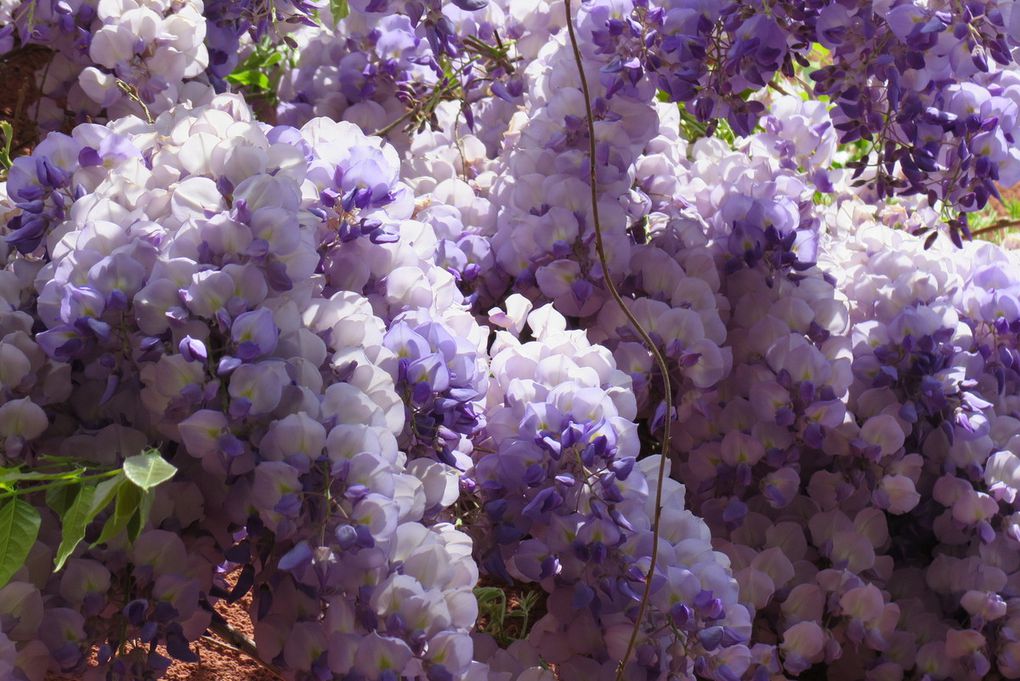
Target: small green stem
column 63, row 482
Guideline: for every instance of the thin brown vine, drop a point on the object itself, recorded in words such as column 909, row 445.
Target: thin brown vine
column 653, row 348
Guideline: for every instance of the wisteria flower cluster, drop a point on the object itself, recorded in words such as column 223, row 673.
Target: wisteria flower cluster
column 632, row 312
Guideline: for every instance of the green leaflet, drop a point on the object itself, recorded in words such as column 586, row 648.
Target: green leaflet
column 19, row 527
column 148, row 469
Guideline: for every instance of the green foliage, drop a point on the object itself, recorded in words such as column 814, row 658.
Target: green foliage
column 692, row 129
column 59, row 499
column 1012, row 207
column 148, row 469
column 996, row 220
column 505, row 621
column 19, row 526
column 75, row 521
column 479, row 59
column 339, row 9
column 260, row 73
column 7, row 131
column 124, row 507
column 79, row 495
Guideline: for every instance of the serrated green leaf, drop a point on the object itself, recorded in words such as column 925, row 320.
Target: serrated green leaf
column 148, row 469
column 339, row 9
column 73, row 525
column 19, row 527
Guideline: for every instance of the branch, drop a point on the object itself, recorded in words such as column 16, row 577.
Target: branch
column 995, row 227
column 230, row 637
column 653, row 348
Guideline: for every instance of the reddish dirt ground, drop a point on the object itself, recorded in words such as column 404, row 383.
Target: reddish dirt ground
column 19, row 92
column 217, row 661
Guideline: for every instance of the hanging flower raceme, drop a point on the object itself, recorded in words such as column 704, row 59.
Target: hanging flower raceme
column 568, row 505
column 186, row 271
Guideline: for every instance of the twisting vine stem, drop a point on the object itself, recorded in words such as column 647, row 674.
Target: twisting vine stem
column 996, row 227
column 656, row 353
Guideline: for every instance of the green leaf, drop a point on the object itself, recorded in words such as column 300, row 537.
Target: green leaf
column 7, row 132
column 60, row 498
column 106, row 492
column 135, row 525
column 148, row 469
column 73, row 525
column 19, row 527
column 17, row 475
column 255, row 79
column 128, row 498
column 339, row 9
column 141, row 516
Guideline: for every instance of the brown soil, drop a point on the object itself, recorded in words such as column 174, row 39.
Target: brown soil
column 217, row 660
column 20, row 73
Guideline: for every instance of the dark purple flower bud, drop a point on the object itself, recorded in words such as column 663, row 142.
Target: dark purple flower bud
column 680, row 614
column 544, row 502
column 566, row 479
column 346, row 536
column 627, row 590
column 711, row 637
column 193, row 349
column 550, row 566
column 356, row 492
column 135, row 611
column 534, row 474
column 89, row 157
column 365, row 538
column 227, row 365
column 230, row 445
column 177, row 645
column 623, row 467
